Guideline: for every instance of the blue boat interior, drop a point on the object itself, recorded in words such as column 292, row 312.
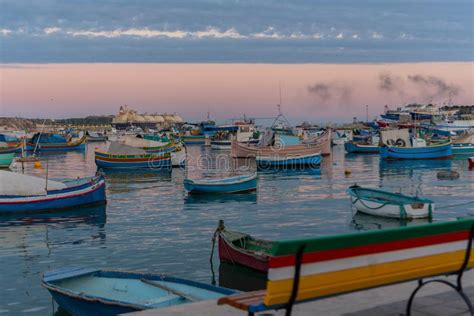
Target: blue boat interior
column 48, row 138
column 134, row 288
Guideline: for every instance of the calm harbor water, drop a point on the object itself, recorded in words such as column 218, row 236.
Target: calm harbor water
column 149, row 223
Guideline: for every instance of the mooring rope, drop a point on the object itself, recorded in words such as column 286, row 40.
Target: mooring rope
column 454, row 205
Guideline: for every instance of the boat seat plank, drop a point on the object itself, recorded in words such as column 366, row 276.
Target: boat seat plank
column 243, row 301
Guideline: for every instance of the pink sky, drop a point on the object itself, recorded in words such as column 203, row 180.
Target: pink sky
column 226, row 90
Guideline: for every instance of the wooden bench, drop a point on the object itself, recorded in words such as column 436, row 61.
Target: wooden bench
column 310, row 269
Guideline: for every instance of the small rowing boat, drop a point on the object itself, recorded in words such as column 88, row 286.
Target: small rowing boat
column 388, row 204
column 86, row 291
column 289, row 161
column 6, row 160
column 237, row 184
column 28, row 194
column 357, row 148
column 242, row 249
column 417, row 151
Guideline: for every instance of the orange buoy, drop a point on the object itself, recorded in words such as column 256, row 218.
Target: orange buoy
column 37, row 164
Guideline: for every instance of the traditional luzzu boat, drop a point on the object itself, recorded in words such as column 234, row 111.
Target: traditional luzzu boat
column 358, row 148
column 289, row 161
column 88, row 292
column 463, row 145
column 120, row 156
column 193, row 139
column 6, row 160
column 242, row 249
column 388, row 204
column 52, row 142
column 237, row 184
column 11, row 149
column 28, row 194
column 418, row 150
column 320, row 144
column 176, row 150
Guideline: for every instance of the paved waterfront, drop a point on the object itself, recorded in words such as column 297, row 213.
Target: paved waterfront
column 433, row 300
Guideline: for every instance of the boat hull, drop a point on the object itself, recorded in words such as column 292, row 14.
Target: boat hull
column 150, row 161
column 429, row 152
column 84, row 304
column 193, row 140
column 355, row 148
column 89, row 193
column 6, row 160
column 463, row 149
column 288, row 161
column 77, row 145
column 231, row 254
column 320, row 145
column 247, row 184
column 221, row 145
column 11, row 149
column 392, row 205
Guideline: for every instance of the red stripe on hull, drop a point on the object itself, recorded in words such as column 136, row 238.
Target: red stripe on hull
column 283, row 261
column 229, row 254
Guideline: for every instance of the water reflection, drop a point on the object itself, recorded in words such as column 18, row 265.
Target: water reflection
column 362, row 222
column 241, row 278
column 220, row 198
column 92, row 215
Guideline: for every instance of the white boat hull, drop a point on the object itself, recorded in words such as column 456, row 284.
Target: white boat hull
column 413, row 211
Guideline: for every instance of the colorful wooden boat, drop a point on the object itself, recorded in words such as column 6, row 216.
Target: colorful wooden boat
column 237, row 184
column 153, row 161
column 289, row 161
column 221, row 144
column 193, row 139
column 27, row 194
column 41, row 143
column 88, row 292
column 470, row 161
column 440, row 151
column 6, row 160
column 357, row 148
column 176, row 149
column 242, row 249
column 388, row 204
column 96, row 137
column 463, row 149
column 16, row 148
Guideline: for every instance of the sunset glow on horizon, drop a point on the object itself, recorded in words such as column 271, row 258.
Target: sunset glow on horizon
column 313, row 92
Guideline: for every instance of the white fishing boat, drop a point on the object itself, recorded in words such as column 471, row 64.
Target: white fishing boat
column 388, row 204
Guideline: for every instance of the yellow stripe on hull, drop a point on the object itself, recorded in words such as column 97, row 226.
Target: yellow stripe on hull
column 325, row 284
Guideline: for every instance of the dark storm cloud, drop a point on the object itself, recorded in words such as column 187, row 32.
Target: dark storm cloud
column 235, row 31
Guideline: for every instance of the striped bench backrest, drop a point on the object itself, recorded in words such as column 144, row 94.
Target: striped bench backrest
column 344, row 263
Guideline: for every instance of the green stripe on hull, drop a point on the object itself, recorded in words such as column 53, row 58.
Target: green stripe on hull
column 288, row 247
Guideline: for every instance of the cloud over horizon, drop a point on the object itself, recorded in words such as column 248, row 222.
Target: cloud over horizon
column 268, row 31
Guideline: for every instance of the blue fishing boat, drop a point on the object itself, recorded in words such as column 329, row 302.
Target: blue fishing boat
column 237, row 184
column 8, row 149
column 438, row 151
column 28, row 194
column 288, row 161
column 53, row 142
column 88, row 292
column 356, row 148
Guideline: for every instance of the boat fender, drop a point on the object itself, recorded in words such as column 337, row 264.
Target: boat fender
column 400, row 142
